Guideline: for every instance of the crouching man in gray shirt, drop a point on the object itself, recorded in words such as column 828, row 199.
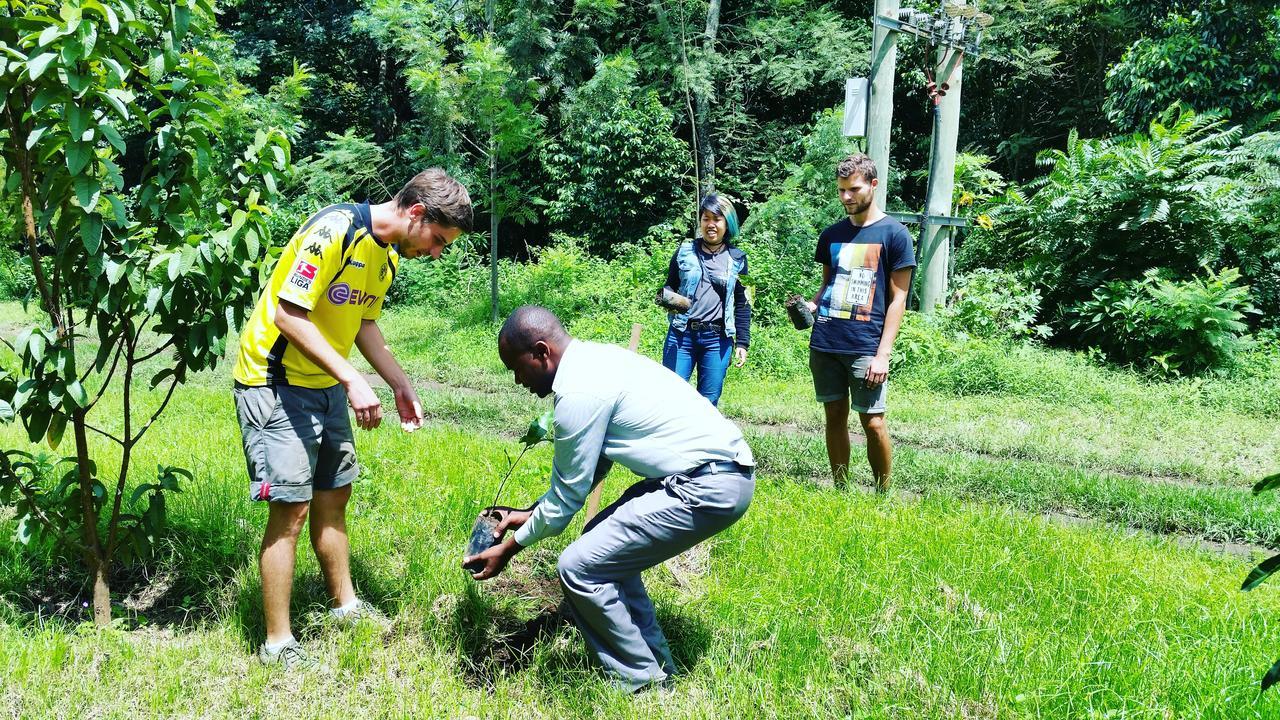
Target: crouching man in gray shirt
column 612, row 405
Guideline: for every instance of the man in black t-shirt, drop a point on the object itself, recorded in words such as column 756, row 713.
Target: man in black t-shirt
column 867, row 260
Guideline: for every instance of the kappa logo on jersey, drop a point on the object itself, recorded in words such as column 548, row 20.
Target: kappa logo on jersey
column 344, row 294
column 315, row 249
column 382, row 274
column 304, row 273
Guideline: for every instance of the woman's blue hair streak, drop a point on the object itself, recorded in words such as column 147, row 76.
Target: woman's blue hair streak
column 723, row 208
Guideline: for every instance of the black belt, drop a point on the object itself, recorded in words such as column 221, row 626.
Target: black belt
column 721, row 467
column 700, row 325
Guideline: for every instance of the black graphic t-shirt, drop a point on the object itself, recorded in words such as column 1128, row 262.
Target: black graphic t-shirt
column 851, row 311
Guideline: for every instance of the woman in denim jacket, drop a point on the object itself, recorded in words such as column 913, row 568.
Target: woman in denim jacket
column 717, row 324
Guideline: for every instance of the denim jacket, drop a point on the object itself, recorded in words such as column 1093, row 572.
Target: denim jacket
column 689, row 269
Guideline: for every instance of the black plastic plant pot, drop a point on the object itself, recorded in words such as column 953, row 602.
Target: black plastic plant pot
column 799, row 312
column 482, row 535
column 672, row 300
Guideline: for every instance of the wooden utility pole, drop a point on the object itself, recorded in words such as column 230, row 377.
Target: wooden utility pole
column 935, row 245
column 884, row 58
column 954, row 28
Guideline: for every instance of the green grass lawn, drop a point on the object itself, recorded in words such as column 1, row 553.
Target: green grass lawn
column 817, row 604
column 957, row 603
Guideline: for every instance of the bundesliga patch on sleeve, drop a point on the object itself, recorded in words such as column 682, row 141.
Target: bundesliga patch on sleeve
column 304, row 273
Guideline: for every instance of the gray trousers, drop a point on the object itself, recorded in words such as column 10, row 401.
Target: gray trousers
column 654, row 520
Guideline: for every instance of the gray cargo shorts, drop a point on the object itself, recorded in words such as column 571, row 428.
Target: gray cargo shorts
column 296, row 440
column 836, row 376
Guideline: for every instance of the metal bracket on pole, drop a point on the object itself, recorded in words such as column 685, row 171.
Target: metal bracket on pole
column 894, row 25
column 922, row 219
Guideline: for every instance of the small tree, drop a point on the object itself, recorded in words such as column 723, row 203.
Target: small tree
column 142, row 228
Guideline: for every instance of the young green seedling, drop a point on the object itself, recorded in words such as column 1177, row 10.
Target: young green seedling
column 540, row 430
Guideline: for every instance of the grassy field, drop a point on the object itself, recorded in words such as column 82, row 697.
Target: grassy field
column 955, row 601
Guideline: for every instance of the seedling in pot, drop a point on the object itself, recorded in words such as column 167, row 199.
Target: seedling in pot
column 540, row 430
column 672, row 301
column 799, row 312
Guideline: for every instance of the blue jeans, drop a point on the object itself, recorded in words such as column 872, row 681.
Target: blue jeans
column 708, row 350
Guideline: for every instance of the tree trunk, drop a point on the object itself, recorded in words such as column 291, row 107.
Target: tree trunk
column 96, row 558
column 101, row 595
column 706, row 149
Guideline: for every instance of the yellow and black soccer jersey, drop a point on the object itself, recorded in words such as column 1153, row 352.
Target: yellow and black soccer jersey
column 337, row 269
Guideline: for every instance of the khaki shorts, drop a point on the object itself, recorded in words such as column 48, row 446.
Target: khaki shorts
column 296, row 440
column 836, row 376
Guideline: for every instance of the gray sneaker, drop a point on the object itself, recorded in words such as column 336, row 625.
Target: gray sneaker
column 290, row 657
column 363, row 612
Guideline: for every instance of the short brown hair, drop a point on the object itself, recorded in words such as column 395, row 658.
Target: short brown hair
column 446, row 200
column 861, row 165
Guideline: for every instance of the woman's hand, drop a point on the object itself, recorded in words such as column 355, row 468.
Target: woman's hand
column 739, row 356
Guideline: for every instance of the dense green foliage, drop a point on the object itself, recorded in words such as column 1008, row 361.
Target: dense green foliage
column 1186, row 326
column 588, row 119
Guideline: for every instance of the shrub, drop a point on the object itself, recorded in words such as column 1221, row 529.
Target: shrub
column 459, row 274
column 1180, row 326
column 994, row 303
column 1191, row 191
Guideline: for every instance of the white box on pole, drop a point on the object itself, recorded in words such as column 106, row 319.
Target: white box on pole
column 855, row 107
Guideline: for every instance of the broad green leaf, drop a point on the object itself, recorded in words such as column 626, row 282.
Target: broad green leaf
column 44, row 99
column 540, row 429
column 1261, row 572
column 36, row 346
column 78, row 156
column 160, row 377
column 26, row 389
column 141, row 490
column 114, row 271
column 57, row 426
column 181, row 21
column 117, row 208
column 1269, row 482
column 91, row 233
column 87, row 191
column 6, row 412
column 119, row 100
column 37, row 65
column 155, row 68
column 50, row 34
column 38, row 423
column 77, row 394
column 34, row 137
column 251, row 244
column 24, row 337
column 88, row 37
column 115, row 67
column 113, row 136
column 79, row 119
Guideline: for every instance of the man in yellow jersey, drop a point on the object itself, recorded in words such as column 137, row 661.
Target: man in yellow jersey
column 294, row 383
